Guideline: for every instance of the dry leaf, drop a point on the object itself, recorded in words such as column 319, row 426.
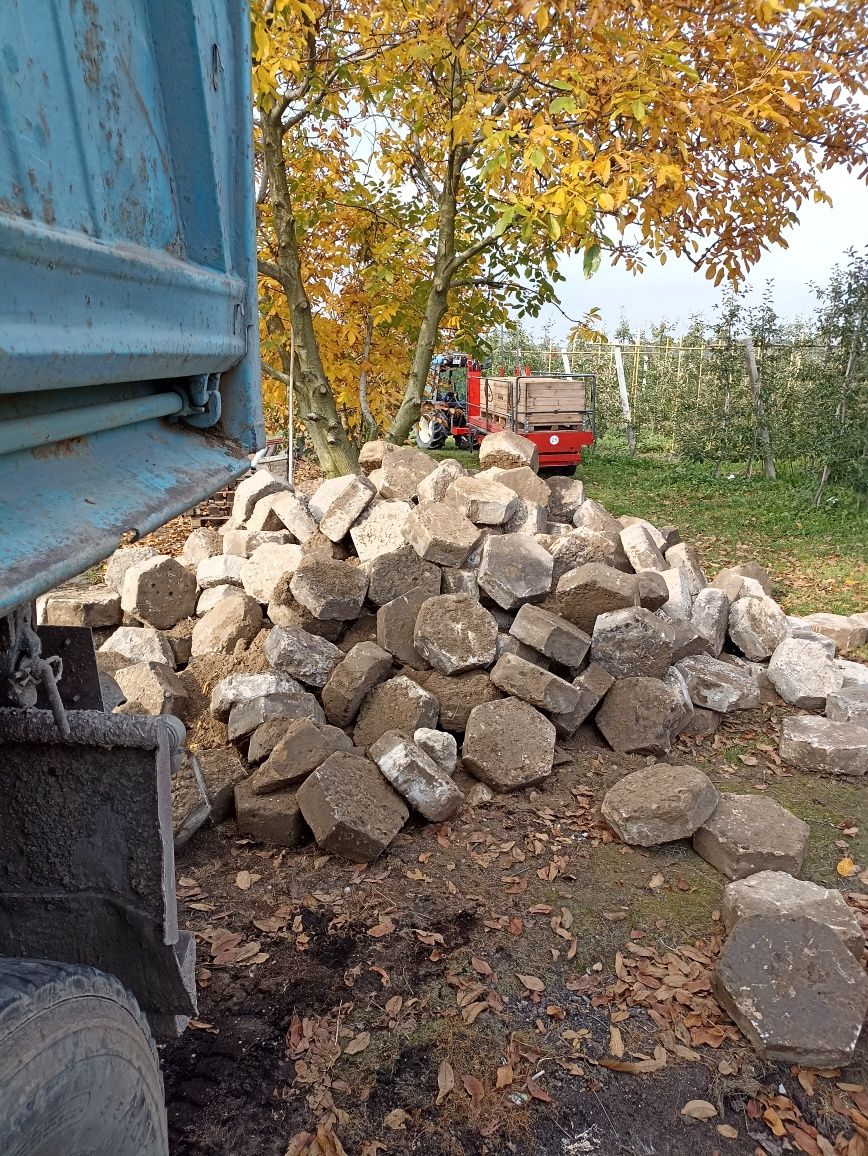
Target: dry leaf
column 505, row 1076
column 358, row 1044
column 774, row 1122
column 699, row 1110
column 727, row 1131
column 474, row 1089
column 846, row 867
column 537, row 1092
column 532, row 982
column 384, row 927
column 396, row 1119
column 328, row 1142
column 244, row 880
column 633, row 1068
column 202, row 1026
column 470, row 1013
column 298, row 1143
column 481, row 966
column 394, row 1005
column 445, row 1081
column 656, row 880
column 616, row 1042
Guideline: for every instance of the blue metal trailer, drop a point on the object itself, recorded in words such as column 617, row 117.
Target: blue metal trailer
column 129, row 390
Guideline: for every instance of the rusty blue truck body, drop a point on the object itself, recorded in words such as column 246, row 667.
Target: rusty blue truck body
column 129, row 379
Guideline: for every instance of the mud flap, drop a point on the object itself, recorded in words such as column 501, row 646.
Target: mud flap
column 87, row 871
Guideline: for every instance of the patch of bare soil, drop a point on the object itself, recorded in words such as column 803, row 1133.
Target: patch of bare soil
column 513, row 981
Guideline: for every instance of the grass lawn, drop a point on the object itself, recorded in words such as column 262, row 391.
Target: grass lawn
column 818, row 559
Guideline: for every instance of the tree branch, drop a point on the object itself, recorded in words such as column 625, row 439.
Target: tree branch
column 277, row 374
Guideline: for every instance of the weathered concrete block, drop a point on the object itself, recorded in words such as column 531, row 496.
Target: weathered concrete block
column 398, row 704
column 350, row 807
column 704, row 722
column 686, row 639
column 401, row 473
column 274, row 819
column 219, row 570
column 776, row 894
column 139, row 644
column 453, row 633
column 592, row 684
column 441, row 747
column 592, row 515
column 526, row 482
column 642, row 716
column 396, row 625
column 241, row 687
column 264, row 518
column 819, row 744
column 803, row 674
column 483, row 502
column 528, row 519
column 794, row 989
column 525, row 680
column 209, row 598
column 307, row 657
column 380, row 529
column 293, row 513
column 641, row 549
column 416, row 777
column 190, row 806
column 566, row 495
column 514, row 569
column 709, row 615
column 391, row 575
column 433, row 487
column 267, row 565
column 242, row 543
column 365, row 665
column 458, row 694
column 266, row 737
column 94, row 606
column 750, row 833
column 657, row 536
column 339, row 502
column 757, row 626
column 222, row 771
column 246, row 717
column 372, row 453
column 686, row 557
column 679, row 604
column 159, row 592
column 659, row 804
column 551, row 635
column 854, row 673
column 591, row 590
column 632, row 642
column 233, row 620
column 508, row 744
column 848, row 705
column 843, row 631
column 652, row 591
column 440, row 533
column 717, row 685
column 151, row 688
column 122, row 560
column 507, row 450
column 506, row 644
column 329, row 588
column 301, row 750
column 455, row 580
column 251, row 489
column 579, row 547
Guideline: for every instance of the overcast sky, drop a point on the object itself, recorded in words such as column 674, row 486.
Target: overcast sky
column 674, row 290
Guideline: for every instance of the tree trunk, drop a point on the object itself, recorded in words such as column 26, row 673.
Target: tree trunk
column 408, row 412
column 759, row 410
column 316, row 402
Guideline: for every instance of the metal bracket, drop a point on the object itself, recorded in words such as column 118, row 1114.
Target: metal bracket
column 24, row 670
column 204, row 404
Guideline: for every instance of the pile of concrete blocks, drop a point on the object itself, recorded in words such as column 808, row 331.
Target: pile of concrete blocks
column 499, row 609
column 790, row 973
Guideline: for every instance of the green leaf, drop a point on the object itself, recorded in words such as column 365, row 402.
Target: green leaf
column 638, row 109
column 562, row 104
column 592, row 260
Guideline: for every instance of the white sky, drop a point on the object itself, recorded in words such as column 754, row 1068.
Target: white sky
column 674, row 290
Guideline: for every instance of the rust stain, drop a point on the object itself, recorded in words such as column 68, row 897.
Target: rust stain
column 68, row 448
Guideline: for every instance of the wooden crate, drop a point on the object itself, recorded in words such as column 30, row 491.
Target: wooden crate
column 534, row 402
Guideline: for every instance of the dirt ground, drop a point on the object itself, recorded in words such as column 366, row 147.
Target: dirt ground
column 513, row 981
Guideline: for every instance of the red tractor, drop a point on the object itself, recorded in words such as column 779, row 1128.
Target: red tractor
column 556, row 411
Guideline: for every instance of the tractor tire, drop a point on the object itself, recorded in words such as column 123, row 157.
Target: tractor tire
column 430, row 434
column 79, row 1074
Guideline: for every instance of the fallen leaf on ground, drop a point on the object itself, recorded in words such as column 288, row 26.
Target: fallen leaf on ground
column 537, row 1092
column 774, row 1122
column 656, row 880
column 727, row 1131
column 616, row 1042
column 396, row 1119
column 532, row 982
column 699, row 1110
column 445, row 1081
column 846, row 867
column 505, row 1076
column 481, row 966
column 474, row 1089
column 329, row 1144
column 298, row 1143
column 384, row 927
column 358, row 1044
column 244, row 880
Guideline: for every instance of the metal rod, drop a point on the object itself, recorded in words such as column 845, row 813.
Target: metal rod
column 27, row 433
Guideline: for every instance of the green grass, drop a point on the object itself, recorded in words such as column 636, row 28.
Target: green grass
column 818, row 559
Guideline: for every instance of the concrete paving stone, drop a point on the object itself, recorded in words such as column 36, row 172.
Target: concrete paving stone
column 514, row 569
column 398, row 704
column 338, row 502
column 817, row 744
column 750, row 833
column 391, row 575
column 396, row 625
column 440, row 746
column 686, row 557
column 402, row 471
column 329, row 588
column 641, row 549
column 632, row 642
column 416, row 777
column 267, row 565
column 219, row 570
column 659, row 804
column 380, row 529
column 362, row 668
column 679, row 604
column 593, row 589
column 592, row 684
column 483, row 502
column 441, row 534
column 848, row 705
column 151, row 688
column 458, row 694
column 243, row 687
column 803, row 674
column 551, row 635
column 222, row 770
column 566, row 495
column 651, row 590
column 433, row 487
column 454, row 633
column 717, row 685
column 233, row 620
column 592, row 515
column 578, row 547
column 642, row 715
column 507, row 449
column 93, row 606
column 531, row 683
column 306, row 657
column 793, row 989
column 351, row 808
column 275, row 819
column 159, row 592
column 709, row 615
column 139, row 644
column 372, row 453
column 122, row 560
column 757, row 625
column 777, row 894
column 246, row 717
column 249, row 491
column 843, row 631
column 508, row 744
column 301, row 750
column 293, row 513
column 456, row 580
